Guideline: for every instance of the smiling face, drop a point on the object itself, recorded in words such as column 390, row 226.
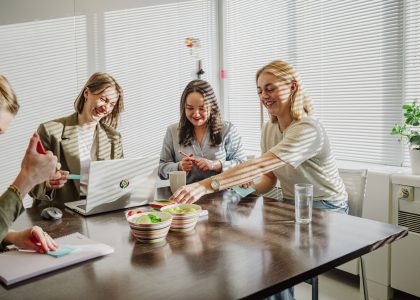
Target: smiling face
column 195, row 110
column 275, row 94
column 99, row 104
column 6, row 118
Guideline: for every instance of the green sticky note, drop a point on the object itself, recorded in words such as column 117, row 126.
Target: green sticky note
column 243, row 192
column 62, row 251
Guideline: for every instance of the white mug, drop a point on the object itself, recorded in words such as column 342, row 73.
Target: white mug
column 177, row 179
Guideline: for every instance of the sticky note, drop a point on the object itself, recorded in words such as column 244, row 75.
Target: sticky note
column 62, row 251
column 73, row 176
column 243, row 192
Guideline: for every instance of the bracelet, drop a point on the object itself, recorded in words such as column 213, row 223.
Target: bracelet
column 15, row 189
column 211, row 165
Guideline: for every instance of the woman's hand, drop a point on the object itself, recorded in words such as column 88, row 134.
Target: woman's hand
column 190, row 193
column 186, row 164
column 205, row 164
column 58, row 180
column 32, row 238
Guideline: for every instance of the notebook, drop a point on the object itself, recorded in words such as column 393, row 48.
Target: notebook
column 118, row 184
column 17, row 266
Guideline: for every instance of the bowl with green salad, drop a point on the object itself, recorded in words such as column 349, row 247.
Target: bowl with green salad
column 184, row 216
column 150, row 227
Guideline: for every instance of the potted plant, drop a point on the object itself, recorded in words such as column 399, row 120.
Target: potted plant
column 407, row 132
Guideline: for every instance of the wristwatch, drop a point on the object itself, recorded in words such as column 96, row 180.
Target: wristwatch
column 215, row 184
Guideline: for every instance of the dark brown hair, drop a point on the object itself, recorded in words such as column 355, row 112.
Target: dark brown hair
column 214, row 120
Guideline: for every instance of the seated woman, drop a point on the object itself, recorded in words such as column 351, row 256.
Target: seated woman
column 87, row 135
column 295, row 146
column 201, row 144
column 35, row 168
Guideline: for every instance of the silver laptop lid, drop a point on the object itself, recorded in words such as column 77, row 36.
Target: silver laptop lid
column 121, row 183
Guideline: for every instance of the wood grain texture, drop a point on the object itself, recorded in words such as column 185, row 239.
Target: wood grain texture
column 245, row 248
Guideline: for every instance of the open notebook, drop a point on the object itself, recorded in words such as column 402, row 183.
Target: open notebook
column 17, row 266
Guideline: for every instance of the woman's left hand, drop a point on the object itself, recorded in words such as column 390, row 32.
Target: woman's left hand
column 204, row 164
column 32, row 238
column 189, row 193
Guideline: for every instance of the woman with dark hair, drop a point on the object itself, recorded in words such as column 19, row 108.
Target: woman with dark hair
column 295, row 147
column 87, row 135
column 201, row 144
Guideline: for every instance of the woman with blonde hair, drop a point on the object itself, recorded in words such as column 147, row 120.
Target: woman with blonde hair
column 295, row 149
column 35, row 168
column 201, row 144
column 87, row 135
column 294, row 144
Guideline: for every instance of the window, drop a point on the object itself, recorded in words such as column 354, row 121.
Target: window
column 49, row 50
column 349, row 58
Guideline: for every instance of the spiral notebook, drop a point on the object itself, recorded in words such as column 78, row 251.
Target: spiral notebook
column 17, row 266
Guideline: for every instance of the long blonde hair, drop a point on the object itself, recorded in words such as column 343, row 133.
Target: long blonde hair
column 96, row 84
column 8, row 99
column 300, row 103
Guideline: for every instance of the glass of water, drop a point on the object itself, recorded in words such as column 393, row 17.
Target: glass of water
column 304, row 195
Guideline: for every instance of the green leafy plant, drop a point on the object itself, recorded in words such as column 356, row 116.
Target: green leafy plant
column 406, row 131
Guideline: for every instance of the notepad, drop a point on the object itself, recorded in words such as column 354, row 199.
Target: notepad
column 17, row 266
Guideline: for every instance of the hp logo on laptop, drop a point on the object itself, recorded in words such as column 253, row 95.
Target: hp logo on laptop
column 124, row 183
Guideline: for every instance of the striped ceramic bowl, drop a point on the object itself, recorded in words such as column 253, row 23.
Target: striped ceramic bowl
column 184, row 216
column 150, row 232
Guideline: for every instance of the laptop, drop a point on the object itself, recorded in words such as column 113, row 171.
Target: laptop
column 118, row 184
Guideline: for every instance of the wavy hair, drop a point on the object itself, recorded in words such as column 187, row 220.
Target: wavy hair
column 8, row 99
column 214, row 119
column 300, row 103
column 96, row 84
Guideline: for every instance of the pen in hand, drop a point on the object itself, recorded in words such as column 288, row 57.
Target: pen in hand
column 186, row 155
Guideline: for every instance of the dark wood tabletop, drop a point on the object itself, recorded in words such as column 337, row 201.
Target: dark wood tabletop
column 245, row 248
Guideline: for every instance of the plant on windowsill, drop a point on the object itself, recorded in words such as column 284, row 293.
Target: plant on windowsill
column 412, row 137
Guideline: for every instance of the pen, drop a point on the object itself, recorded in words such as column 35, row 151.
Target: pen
column 184, row 154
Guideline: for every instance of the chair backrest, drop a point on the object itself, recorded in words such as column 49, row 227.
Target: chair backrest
column 355, row 182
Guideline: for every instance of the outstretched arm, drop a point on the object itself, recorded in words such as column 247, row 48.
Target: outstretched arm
column 240, row 174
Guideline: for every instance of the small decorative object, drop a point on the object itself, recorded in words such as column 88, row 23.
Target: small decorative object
column 407, row 132
column 194, row 45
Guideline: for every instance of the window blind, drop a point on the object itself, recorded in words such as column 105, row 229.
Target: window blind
column 411, row 87
column 49, row 50
column 348, row 56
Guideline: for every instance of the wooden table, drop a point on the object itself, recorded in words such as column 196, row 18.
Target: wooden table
column 248, row 248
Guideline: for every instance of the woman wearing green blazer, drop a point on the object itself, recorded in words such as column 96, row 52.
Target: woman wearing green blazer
column 35, row 168
column 89, row 134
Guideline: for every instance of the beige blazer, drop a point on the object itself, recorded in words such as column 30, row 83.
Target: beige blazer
column 60, row 136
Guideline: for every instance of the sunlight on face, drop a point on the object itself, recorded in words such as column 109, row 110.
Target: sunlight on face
column 6, row 118
column 274, row 94
column 101, row 104
column 195, row 110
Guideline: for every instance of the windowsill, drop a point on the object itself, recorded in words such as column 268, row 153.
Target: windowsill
column 346, row 164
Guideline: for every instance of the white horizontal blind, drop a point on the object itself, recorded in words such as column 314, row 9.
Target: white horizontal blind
column 145, row 49
column 38, row 56
column 348, row 55
column 411, row 57
column 50, row 48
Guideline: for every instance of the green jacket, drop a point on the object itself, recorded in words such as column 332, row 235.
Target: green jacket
column 10, row 208
column 60, row 136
